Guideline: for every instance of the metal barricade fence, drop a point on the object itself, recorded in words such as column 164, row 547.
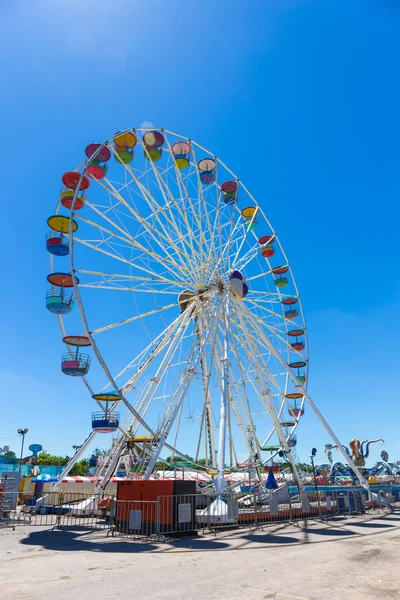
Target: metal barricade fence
column 25, row 509
column 187, row 513
column 136, row 519
column 56, row 509
column 92, row 511
column 174, row 515
column 178, row 514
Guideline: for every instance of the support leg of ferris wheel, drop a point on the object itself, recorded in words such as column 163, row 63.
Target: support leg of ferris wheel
column 156, row 380
column 151, row 390
column 232, row 402
column 54, row 486
column 179, row 397
column 220, row 483
column 99, row 489
column 329, row 430
column 267, row 397
column 207, row 399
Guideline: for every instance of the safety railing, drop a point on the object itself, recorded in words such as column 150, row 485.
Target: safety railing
column 136, row 518
column 174, row 515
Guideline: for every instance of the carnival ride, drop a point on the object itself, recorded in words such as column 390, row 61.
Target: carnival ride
column 359, row 450
column 177, row 279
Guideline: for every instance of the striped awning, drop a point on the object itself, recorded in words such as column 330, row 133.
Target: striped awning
column 89, row 480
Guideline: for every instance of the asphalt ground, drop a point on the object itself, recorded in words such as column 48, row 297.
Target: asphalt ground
column 353, row 558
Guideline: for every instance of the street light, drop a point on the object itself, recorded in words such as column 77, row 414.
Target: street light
column 76, row 448
column 313, row 453
column 22, row 432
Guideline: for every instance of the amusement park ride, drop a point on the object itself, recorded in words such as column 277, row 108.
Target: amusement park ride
column 165, row 270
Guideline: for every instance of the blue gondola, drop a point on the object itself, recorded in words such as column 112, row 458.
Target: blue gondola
column 105, row 422
column 60, row 301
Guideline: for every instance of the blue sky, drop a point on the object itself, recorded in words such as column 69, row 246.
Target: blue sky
column 299, row 98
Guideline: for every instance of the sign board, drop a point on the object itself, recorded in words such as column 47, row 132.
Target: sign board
column 135, row 519
column 35, row 449
column 184, row 513
column 11, row 479
column 273, row 505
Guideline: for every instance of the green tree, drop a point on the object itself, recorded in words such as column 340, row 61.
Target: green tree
column 305, row 467
column 80, row 468
column 45, row 458
column 99, row 451
column 9, row 453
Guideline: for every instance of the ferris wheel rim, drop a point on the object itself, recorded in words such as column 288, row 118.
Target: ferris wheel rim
column 218, row 161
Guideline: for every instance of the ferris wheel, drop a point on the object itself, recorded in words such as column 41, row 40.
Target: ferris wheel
column 177, row 304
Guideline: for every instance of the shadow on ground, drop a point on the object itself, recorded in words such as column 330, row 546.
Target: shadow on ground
column 306, row 533
column 333, row 532
column 375, row 525
column 77, row 541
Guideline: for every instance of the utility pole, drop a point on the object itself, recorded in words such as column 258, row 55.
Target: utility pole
column 313, row 453
column 22, row 432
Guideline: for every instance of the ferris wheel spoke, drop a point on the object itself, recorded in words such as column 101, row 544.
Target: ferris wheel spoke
column 122, row 259
column 287, row 347
column 168, row 200
column 135, row 318
column 270, row 313
column 254, row 380
column 203, row 212
column 215, row 228
column 281, row 393
column 206, row 371
column 185, row 199
column 146, row 357
column 252, row 376
column 235, row 234
column 110, row 278
column 244, row 239
column 266, row 395
column 183, row 252
column 267, row 296
column 265, row 274
column 155, row 234
column 246, row 259
column 273, row 350
column 179, row 395
column 155, row 382
column 130, row 241
column 266, row 369
column 276, row 330
column 232, row 402
column 239, row 395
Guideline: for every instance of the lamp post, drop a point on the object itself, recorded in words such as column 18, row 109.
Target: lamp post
column 22, row 432
column 313, row 453
column 76, row 448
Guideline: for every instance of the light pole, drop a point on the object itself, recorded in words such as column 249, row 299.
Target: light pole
column 313, row 453
column 76, row 448
column 22, row 432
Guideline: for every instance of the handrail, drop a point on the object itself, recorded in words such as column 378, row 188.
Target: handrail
column 58, row 293
column 82, row 359
column 103, row 416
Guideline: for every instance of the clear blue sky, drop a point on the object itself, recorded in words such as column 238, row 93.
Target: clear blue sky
column 300, row 98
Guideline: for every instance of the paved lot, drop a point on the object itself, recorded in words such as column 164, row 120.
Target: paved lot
column 348, row 559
